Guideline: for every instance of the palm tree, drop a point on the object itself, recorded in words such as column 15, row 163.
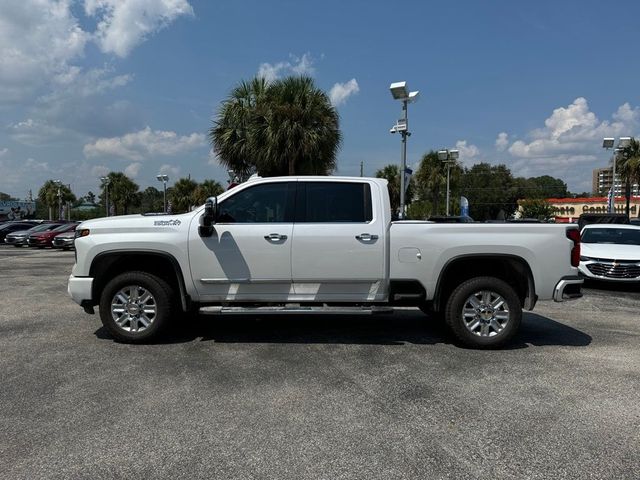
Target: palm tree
column 431, row 179
column 229, row 135
column 628, row 163
column 287, row 127
column 391, row 173
column 123, row 192
column 48, row 195
column 181, row 195
column 208, row 188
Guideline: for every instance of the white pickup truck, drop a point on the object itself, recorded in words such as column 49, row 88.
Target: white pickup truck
column 318, row 242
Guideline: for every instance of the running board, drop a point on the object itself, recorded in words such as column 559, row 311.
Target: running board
column 295, row 309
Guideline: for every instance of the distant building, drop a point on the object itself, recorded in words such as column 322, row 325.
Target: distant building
column 569, row 209
column 603, row 179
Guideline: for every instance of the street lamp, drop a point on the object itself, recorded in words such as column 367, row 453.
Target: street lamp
column 607, row 144
column 164, row 179
column 59, row 183
column 399, row 91
column 105, row 184
column 449, row 157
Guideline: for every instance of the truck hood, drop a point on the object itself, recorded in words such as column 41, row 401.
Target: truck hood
column 139, row 222
column 610, row 251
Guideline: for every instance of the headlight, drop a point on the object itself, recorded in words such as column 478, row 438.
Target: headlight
column 585, row 259
column 82, row 232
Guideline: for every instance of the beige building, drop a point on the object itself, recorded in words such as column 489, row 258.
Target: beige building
column 569, row 209
column 602, row 180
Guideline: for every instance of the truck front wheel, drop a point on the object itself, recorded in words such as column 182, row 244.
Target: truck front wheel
column 136, row 306
column 484, row 312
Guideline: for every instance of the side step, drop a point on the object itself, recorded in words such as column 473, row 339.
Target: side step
column 293, row 308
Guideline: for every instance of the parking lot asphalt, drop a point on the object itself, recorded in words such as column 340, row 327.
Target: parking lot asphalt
column 315, row 396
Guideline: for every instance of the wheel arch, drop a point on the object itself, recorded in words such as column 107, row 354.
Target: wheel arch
column 511, row 268
column 107, row 265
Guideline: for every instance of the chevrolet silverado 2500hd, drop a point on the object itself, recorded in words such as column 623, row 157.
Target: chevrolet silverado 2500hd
column 318, row 242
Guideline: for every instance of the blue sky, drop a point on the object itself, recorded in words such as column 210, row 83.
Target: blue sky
column 132, row 85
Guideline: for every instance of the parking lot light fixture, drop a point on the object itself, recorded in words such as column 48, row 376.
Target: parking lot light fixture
column 448, row 157
column 164, row 179
column 400, row 91
column 105, row 184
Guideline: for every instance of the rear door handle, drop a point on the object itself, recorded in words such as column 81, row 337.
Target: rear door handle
column 366, row 237
column 274, row 237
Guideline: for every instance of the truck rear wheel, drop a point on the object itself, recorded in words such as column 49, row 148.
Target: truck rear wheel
column 136, row 306
column 484, row 312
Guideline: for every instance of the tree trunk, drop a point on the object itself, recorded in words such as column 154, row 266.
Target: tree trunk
column 628, row 195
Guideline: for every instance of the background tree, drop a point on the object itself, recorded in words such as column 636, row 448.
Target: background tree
column 151, row 200
column 48, row 197
column 391, row 173
column 123, row 193
column 181, row 195
column 229, row 135
column 5, row 196
column 208, row 188
column 536, row 208
column 287, row 127
column 628, row 166
column 491, row 191
column 90, row 197
column 431, row 185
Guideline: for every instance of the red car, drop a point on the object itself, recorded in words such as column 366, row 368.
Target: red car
column 45, row 239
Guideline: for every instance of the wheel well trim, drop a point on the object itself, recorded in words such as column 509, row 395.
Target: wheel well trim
column 177, row 270
column 531, row 297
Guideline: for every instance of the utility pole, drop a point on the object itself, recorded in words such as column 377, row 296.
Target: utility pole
column 361, row 168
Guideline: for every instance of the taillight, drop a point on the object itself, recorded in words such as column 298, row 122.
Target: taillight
column 574, row 235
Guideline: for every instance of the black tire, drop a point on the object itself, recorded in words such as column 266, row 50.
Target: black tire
column 485, row 334
column 162, row 297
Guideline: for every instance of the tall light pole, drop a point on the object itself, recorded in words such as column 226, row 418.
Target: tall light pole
column 105, row 184
column 59, row 184
column 399, row 91
column 164, row 179
column 607, row 144
column 449, row 157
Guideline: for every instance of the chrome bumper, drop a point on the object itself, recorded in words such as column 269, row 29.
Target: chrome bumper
column 569, row 288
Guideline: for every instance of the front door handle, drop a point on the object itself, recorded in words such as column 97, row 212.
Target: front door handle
column 275, row 237
column 366, row 237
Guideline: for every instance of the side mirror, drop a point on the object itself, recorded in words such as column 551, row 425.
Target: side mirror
column 208, row 218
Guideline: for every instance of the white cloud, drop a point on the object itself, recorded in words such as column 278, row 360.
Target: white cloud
column 139, row 145
column 569, row 144
column 502, row 142
column 296, row 66
column 341, row 91
column 99, row 171
column 32, row 164
column 38, row 40
column 468, row 152
column 170, row 169
column 3, row 151
column 124, row 24
column 133, row 169
column 37, row 133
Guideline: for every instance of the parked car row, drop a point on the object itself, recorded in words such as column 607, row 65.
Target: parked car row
column 38, row 234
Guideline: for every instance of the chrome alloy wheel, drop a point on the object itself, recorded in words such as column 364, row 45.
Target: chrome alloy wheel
column 133, row 308
column 485, row 313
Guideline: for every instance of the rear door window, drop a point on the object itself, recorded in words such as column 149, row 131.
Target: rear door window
column 333, row 202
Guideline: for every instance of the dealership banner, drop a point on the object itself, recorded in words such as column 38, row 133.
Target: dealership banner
column 464, row 207
column 16, row 209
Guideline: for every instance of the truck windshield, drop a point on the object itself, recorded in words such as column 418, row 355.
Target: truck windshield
column 618, row 236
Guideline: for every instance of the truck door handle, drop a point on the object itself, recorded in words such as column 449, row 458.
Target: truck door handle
column 274, row 237
column 366, row 237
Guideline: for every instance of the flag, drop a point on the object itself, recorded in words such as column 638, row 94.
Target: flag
column 407, row 178
column 464, row 207
column 610, row 200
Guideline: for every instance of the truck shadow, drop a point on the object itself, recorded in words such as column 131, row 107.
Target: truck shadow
column 399, row 328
